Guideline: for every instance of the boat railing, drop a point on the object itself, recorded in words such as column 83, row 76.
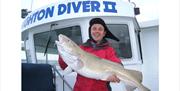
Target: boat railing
column 63, row 79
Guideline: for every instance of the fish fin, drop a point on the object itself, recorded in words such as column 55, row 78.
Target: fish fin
column 105, row 75
column 67, row 70
column 136, row 74
column 57, row 42
column 58, row 46
column 78, row 64
column 130, row 88
column 143, row 88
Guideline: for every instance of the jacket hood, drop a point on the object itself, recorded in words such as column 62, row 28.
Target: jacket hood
column 100, row 21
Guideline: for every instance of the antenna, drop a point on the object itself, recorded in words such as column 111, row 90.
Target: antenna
column 31, row 5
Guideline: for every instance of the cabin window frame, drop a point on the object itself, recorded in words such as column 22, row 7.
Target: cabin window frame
column 135, row 48
column 47, row 59
column 121, row 50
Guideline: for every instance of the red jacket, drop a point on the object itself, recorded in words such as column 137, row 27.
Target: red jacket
column 87, row 84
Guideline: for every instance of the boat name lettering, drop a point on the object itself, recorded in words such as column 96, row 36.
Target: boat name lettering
column 70, row 8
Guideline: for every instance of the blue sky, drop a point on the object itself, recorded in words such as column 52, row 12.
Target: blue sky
column 148, row 8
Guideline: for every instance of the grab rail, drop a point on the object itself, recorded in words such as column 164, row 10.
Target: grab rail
column 64, row 81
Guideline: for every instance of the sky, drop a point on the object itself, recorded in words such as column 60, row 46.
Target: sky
column 148, row 8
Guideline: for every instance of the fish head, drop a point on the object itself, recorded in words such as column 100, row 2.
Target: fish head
column 67, row 45
column 68, row 49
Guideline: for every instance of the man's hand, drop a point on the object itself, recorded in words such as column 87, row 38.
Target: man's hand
column 113, row 78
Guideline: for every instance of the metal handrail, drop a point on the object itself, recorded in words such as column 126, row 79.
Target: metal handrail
column 64, row 81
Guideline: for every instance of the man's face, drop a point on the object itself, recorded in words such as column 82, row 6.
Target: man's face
column 97, row 32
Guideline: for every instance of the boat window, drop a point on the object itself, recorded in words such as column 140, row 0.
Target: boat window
column 123, row 47
column 41, row 39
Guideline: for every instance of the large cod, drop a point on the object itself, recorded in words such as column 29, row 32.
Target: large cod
column 91, row 66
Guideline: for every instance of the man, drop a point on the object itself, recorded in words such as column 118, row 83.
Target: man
column 99, row 46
